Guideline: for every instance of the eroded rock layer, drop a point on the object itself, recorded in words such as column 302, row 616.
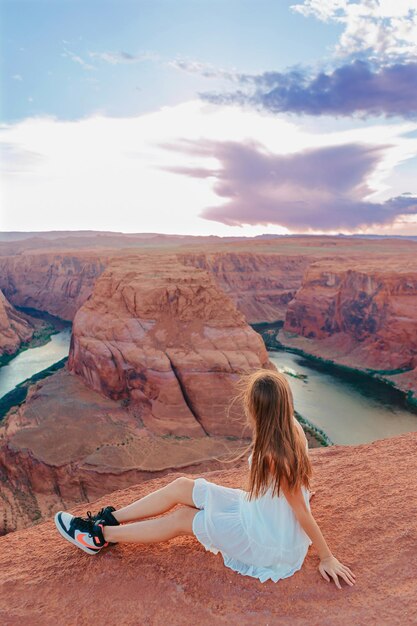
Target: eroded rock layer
column 14, row 327
column 165, row 337
column 261, row 285
column 52, row 281
column 361, row 316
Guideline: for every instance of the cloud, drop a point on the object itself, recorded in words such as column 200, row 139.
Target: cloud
column 353, row 89
column 383, row 29
column 162, row 171
column 207, row 70
column 117, row 58
column 318, row 188
column 373, row 70
column 185, row 65
column 17, row 77
column 77, row 59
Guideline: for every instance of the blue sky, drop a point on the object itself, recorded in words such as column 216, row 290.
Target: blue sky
column 209, row 116
column 247, row 35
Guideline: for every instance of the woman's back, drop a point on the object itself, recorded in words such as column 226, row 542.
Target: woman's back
column 260, row 537
column 271, row 524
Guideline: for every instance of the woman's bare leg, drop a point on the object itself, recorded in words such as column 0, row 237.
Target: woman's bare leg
column 151, row 531
column 179, row 491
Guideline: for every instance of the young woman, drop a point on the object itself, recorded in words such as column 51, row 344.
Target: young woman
column 264, row 531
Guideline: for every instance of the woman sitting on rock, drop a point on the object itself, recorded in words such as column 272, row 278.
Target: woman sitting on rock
column 264, row 532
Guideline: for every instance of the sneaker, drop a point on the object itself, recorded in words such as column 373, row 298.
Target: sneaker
column 85, row 534
column 106, row 515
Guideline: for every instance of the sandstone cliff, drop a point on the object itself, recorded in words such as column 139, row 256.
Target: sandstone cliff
column 260, row 275
column 52, row 281
column 165, row 337
column 14, row 327
column 260, row 284
column 362, row 503
column 359, row 315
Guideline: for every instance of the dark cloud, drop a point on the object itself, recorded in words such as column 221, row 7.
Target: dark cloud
column 355, row 88
column 320, row 188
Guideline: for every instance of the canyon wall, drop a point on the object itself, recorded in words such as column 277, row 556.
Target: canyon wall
column 51, row 281
column 69, row 444
column 14, row 327
column 261, row 285
column 361, row 316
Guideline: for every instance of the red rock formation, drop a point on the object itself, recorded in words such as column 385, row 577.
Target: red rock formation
column 362, row 316
column 166, row 338
column 260, row 275
column 155, row 355
column 51, row 281
column 359, row 493
column 14, row 327
column 68, row 444
column 261, row 285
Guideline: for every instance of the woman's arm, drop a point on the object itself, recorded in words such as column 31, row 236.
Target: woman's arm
column 328, row 563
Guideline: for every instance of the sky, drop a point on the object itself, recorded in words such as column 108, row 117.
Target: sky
column 209, row 117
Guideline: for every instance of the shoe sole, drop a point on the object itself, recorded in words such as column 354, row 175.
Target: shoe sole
column 64, row 534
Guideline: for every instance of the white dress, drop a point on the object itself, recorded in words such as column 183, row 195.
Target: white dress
column 260, row 538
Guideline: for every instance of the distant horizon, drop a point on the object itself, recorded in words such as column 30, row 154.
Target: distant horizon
column 159, row 234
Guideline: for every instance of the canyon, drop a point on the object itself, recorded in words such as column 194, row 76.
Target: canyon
column 155, row 353
column 301, row 281
column 161, row 335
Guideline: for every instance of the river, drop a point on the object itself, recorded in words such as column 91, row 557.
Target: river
column 350, row 409
column 33, row 360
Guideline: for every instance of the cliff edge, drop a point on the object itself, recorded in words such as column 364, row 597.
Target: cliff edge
column 364, row 504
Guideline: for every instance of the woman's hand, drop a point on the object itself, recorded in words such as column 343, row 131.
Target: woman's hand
column 331, row 566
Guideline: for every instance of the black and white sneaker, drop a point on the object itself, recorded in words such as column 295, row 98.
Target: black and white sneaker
column 85, row 534
column 105, row 514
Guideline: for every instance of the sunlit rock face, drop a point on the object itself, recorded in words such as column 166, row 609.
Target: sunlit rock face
column 14, row 328
column 360, row 314
column 261, row 284
column 58, row 283
column 164, row 336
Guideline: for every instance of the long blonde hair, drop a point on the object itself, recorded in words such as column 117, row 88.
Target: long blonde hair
column 278, row 449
